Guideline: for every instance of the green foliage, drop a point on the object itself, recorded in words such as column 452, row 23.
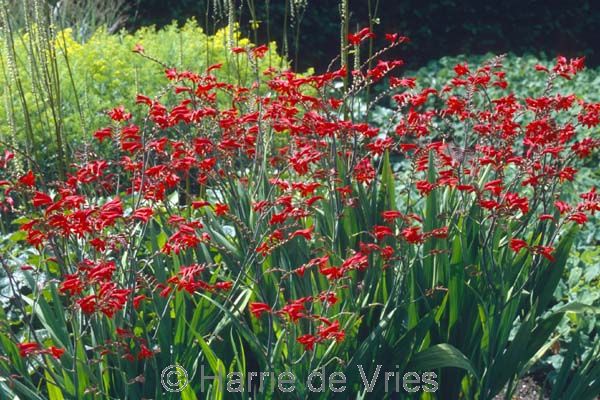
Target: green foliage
column 581, row 279
column 239, row 270
column 102, row 72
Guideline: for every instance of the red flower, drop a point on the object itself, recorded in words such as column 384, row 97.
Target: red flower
column 585, row 147
column 258, row 308
column 294, row 310
column 102, row 134
column 461, row 69
column 144, row 214
column 544, row 251
column 578, row 217
column 183, row 239
column 28, row 179
column 562, row 206
column 98, row 244
column 263, row 249
column 381, row 231
column 402, row 82
column 112, row 299
column 137, row 300
column 395, row 38
column 119, row 114
column 87, row 304
column 259, row 52
column 364, row 171
column 494, row 186
column 141, row 99
column 227, row 285
column 489, row 204
column 305, row 233
column 71, row 285
column 138, row 48
column 412, row 234
column 517, row 244
column 545, row 217
column 221, row 209
column 424, row 187
column 356, row 38
column 390, row 215
column 145, row 353
column 200, row 204
column 391, row 37
column 41, row 199
column 26, row 349
column 109, row 212
column 387, row 252
column 331, row 331
column 440, row 233
column 331, row 273
column 308, row 341
column 328, row 297
column 56, row 352
column 514, row 201
column 165, row 290
column 279, row 218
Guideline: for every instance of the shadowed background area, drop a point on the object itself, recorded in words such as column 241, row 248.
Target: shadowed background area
column 437, row 28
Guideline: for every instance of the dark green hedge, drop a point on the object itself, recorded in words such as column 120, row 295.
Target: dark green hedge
column 437, row 28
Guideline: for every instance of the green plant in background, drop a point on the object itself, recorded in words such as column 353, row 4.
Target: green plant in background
column 84, row 17
column 55, row 88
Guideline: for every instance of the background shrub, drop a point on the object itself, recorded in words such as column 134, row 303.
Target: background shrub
column 437, row 28
column 103, row 71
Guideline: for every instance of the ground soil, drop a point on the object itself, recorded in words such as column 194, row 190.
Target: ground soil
column 527, row 389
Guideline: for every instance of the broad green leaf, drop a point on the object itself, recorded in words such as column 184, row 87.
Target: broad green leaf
column 441, row 356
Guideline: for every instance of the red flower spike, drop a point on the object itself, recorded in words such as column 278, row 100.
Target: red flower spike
column 221, row 209
column 355, row 38
column 308, row 341
column 41, row 199
column 331, row 331
column 258, row 308
column 381, row 231
column 305, row 233
column 294, row 310
column 143, row 214
column 56, row 352
column 27, row 349
column 578, row 217
column 145, row 353
column 517, row 244
column 412, row 234
column 87, row 304
column 562, row 206
column 544, row 251
column 137, row 301
column 391, row 215
column 118, row 114
column 461, row 69
column 28, row 179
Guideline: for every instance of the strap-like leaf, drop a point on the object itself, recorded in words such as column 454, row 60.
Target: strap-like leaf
column 441, row 356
